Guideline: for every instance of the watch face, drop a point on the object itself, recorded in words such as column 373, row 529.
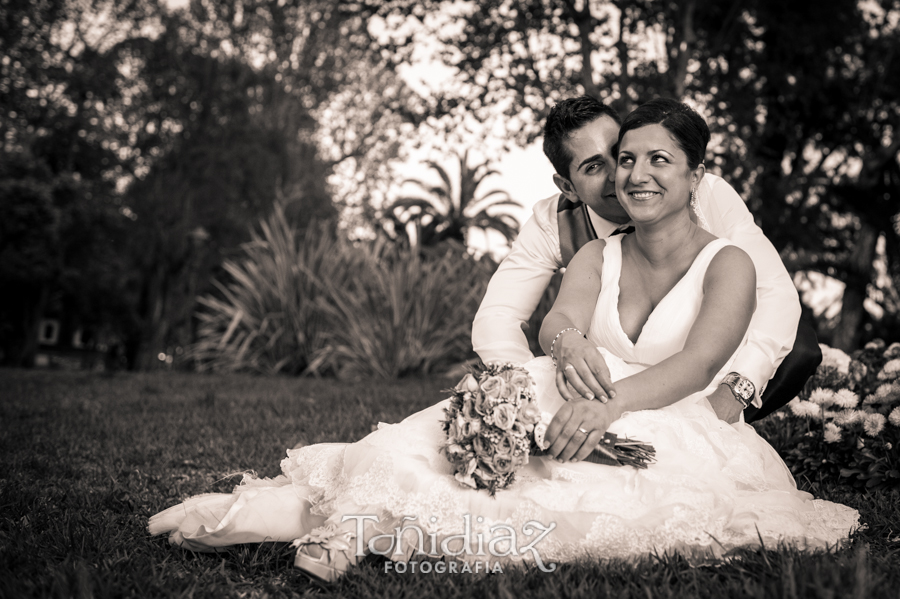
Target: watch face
column 744, row 388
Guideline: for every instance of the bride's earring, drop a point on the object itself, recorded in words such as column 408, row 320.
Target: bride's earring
column 695, row 208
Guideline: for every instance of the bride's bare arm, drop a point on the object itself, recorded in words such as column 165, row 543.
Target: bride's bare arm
column 729, row 299
column 578, row 361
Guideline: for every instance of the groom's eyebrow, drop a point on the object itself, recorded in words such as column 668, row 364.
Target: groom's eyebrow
column 590, row 159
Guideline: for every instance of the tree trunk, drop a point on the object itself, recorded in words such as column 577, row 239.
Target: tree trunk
column 585, row 23
column 684, row 40
column 23, row 348
column 847, row 332
column 153, row 325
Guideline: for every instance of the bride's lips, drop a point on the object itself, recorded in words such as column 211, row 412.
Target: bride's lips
column 642, row 194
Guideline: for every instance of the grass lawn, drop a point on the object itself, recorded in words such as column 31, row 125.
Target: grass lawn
column 87, row 458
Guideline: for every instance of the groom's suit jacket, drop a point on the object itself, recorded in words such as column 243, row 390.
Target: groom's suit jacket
column 520, row 281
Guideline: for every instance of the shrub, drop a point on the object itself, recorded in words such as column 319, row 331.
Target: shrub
column 266, row 319
column 321, row 304
column 846, row 422
column 405, row 313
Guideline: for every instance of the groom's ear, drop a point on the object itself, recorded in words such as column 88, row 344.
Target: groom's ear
column 566, row 187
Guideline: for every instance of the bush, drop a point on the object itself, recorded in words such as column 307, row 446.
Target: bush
column 404, row 313
column 321, row 304
column 845, row 425
column 266, row 318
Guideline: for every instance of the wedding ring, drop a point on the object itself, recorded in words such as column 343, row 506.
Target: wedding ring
column 582, row 430
column 568, row 367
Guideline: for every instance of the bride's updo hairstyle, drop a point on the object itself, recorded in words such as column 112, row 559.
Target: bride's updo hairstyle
column 686, row 126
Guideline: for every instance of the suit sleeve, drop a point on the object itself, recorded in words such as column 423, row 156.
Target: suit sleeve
column 774, row 324
column 516, row 288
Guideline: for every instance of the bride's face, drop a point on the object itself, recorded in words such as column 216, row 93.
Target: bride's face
column 653, row 178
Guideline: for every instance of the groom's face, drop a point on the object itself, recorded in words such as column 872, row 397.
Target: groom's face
column 592, row 172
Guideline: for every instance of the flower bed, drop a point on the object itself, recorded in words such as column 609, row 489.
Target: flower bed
column 846, row 422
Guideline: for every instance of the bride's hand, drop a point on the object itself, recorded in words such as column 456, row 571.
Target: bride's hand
column 577, row 429
column 580, row 367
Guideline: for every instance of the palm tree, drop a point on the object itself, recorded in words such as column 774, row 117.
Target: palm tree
column 443, row 214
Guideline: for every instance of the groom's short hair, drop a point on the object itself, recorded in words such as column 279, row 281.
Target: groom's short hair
column 564, row 119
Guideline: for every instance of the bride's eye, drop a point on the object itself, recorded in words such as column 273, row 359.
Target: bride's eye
column 656, row 158
column 625, row 160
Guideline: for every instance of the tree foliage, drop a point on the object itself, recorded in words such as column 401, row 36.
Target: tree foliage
column 800, row 99
column 159, row 135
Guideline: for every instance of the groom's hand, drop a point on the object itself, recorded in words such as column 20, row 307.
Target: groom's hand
column 581, row 371
column 578, row 428
column 725, row 405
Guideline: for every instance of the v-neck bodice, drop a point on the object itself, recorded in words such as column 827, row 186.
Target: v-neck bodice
column 666, row 329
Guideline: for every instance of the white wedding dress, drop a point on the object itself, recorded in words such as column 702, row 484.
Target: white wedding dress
column 714, row 487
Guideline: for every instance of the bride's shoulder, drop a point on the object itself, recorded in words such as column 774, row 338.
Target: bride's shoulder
column 590, row 256
column 591, row 250
column 731, row 266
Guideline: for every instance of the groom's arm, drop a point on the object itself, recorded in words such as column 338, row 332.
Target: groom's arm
column 774, row 324
column 516, row 288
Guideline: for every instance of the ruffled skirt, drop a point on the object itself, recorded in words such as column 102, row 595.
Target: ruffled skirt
column 714, row 487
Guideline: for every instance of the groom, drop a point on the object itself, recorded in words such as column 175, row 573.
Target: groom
column 579, row 138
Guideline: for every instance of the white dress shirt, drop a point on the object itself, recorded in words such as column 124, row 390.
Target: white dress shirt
column 516, row 288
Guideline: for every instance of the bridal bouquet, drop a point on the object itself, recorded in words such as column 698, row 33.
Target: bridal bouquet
column 493, row 424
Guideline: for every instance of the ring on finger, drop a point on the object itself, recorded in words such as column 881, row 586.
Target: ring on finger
column 568, row 367
column 581, row 430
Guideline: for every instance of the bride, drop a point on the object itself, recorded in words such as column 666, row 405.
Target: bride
column 668, row 306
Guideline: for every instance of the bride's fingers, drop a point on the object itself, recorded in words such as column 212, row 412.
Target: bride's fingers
column 556, row 426
column 574, row 377
column 569, row 439
column 599, row 369
column 563, row 386
column 593, row 384
column 576, row 441
column 590, row 443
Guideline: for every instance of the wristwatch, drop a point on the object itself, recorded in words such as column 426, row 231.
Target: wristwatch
column 741, row 386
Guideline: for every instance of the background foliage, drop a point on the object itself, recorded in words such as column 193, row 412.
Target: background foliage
column 139, row 142
column 318, row 303
column 800, row 99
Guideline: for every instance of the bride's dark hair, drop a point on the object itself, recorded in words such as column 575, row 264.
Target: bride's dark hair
column 689, row 129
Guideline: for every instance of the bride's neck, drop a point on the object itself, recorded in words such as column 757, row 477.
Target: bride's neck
column 665, row 242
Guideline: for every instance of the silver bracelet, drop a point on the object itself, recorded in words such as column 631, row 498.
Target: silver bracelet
column 553, row 344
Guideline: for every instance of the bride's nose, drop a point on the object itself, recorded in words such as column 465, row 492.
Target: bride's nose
column 639, row 173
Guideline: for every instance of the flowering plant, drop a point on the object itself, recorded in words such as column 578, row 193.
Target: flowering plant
column 493, row 424
column 851, row 408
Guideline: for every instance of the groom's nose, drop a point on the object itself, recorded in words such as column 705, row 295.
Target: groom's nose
column 611, row 173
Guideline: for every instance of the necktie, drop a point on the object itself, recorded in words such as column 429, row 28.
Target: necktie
column 623, row 230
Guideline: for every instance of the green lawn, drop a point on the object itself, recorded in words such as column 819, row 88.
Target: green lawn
column 87, row 458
